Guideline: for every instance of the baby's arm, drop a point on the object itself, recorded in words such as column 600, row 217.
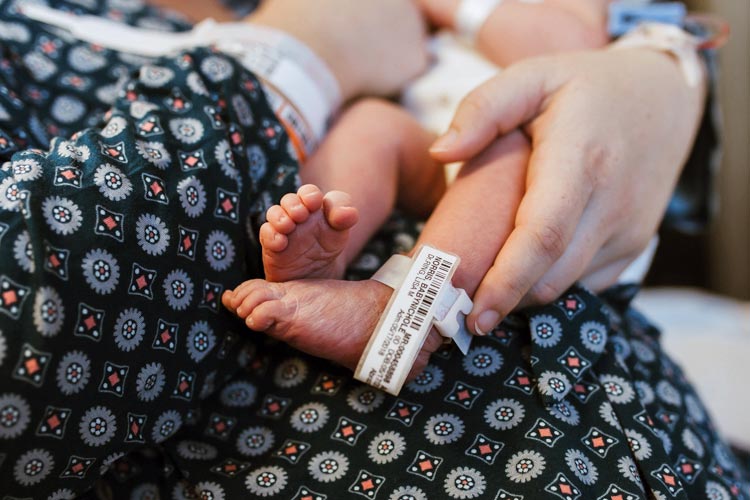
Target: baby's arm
column 518, row 30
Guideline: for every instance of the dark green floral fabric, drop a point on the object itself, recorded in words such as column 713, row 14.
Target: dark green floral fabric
column 131, row 192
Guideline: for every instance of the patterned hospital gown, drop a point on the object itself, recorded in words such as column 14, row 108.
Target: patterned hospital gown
column 131, row 192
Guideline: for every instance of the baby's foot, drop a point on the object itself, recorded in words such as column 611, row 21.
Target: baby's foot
column 329, row 319
column 305, row 235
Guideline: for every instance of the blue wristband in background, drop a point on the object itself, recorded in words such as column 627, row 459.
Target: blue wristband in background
column 625, row 15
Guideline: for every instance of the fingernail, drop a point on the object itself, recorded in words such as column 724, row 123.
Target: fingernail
column 444, row 142
column 486, row 322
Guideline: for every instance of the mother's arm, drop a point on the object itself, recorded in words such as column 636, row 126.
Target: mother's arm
column 610, row 132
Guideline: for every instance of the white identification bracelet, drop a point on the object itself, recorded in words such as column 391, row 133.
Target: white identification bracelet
column 667, row 38
column 302, row 89
column 423, row 297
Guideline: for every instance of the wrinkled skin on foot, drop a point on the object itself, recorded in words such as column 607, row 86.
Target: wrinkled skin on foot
column 329, row 319
column 306, row 234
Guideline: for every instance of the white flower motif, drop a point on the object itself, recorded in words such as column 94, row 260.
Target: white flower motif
column 219, row 250
column 68, row 149
column 62, row 215
column 224, row 155
column 200, row 340
column 642, row 351
column 594, row 336
column 62, row 494
column 73, row 372
column 3, row 348
column 49, row 311
column 444, row 428
column 694, row 408
column 178, row 288
column 112, row 182
column 546, row 330
column 195, row 84
column 430, row 379
column 130, row 328
column 310, row 417
column 408, row 493
column 581, row 466
column 23, row 252
column 210, row 490
column 639, row 445
column 152, row 234
column 266, row 481
column 238, row 394
column 67, row 109
column 715, row 491
column 629, row 470
column 386, row 447
column 216, row 68
column 166, row 425
column 195, row 450
column 328, row 466
column 186, row 130
column 255, row 441
column 554, row 384
column 524, row 466
column 607, row 412
column 290, row 373
column 15, row 415
column 365, row 399
column 33, row 467
column 11, row 195
column 504, row 414
column 464, row 482
column 139, row 109
column 154, row 76
column 26, row 169
column 565, row 411
column 192, row 196
column 692, row 442
column 101, row 271
column 98, row 426
column 155, row 153
column 115, row 125
column 258, row 162
column 150, row 381
column 617, row 389
column 482, row 361
column 667, row 393
column 645, row 392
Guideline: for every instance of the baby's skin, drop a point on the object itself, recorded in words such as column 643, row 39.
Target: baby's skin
column 303, row 300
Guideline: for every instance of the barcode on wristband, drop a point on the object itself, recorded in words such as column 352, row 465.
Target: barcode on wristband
column 407, row 321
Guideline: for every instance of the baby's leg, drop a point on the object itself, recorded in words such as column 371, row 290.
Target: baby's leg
column 334, row 319
column 374, row 153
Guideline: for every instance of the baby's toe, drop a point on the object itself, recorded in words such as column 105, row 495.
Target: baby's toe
column 265, row 315
column 272, row 240
column 339, row 211
column 280, row 220
column 294, row 208
column 311, row 196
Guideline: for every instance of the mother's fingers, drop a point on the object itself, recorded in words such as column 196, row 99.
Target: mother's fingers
column 496, row 107
column 546, row 222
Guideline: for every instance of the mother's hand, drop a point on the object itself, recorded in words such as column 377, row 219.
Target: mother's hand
column 372, row 46
column 610, row 132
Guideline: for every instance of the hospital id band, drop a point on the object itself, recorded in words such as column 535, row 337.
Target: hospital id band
column 424, row 297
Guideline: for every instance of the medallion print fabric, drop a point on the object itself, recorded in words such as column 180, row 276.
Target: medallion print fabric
column 131, row 192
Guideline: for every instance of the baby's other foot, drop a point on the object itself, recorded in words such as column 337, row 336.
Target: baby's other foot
column 305, row 235
column 330, row 319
